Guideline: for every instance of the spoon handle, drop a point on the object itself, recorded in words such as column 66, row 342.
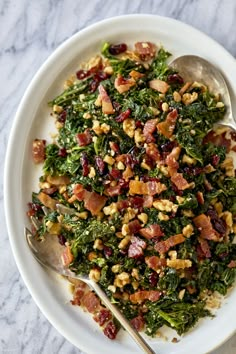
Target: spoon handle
column 123, row 321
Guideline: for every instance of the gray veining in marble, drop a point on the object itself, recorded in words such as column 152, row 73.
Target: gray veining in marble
column 29, row 32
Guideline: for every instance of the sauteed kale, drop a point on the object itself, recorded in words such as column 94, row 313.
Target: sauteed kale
column 140, row 189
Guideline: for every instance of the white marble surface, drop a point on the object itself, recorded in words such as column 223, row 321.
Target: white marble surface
column 29, row 32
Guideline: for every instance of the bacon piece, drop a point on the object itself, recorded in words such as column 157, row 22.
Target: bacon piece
column 164, row 246
column 123, row 85
column 134, row 226
column 218, row 139
column 93, row 201
column 172, row 160
column 232, row 264
column 200, row 198
column 110, row 330
column 167, row 127
column 58, row 180
column 102, row 316
column 128, row 173
column 142, row 295
column 47, row 201
column 113, row 191
column 153, row 152
column 147, row 201
column 151, row 231
column 149, row 128
column 80, row 288
column 159, row 85
column 138, row 323
column 50, row 190
column 145, row 50
column 91, row 302
column 146, row 188
column 67, row 256
column 38, row 150
column 84, row 138
column 205, row 247
column 136, row 247
column 180, row 182
column 155, row 262
column 204, row 225
column 107, row 107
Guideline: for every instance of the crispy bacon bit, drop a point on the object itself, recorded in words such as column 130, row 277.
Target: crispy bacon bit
column 123, row 85
column 128, row 173
column 58, row 180
column 146, row 188
column 148, row 129
column 103, row 316
column 204, row 225
column 138, row 323
column 153, row 152
column 205, row 247
column 167, row 127
column 123, row 116
column 93, row 201
column 159, row 85
column 114, row 146
column 110, row 330
column 84, row 138
column 145, row 50
column 67, row 256
column 142, row 295
column 151, row 231
column 38, row 150
column 155, row 262
column 164, row 246
column 136, row 247
column 136, row 74
column 232, row 264
column 47, row 201
column 79, row 291
column 134, row 226
column 147, row 201
column 113, row 191
column 200, row 198
column 91, row 302
column 218, row 139
column 172, row 160
column 180, row 182
column 107, row 107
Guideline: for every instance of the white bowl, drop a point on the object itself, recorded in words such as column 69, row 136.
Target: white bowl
column 32, row 120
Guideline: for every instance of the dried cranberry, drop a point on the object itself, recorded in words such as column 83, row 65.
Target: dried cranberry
column 116, row 49
column 82, row 74
column 220, row 226
column 110, row 330
column 107, row 251
column 116, row 174
column 62, row 152
column 33, row 209
column 215, row 160
column 175, row 79
column 223, row 255
column 103, row 316
column 93, row 85
column 62, row 117
column 168, row 146
column 138, row 124
column 123, row 184
column 115, row 147
column 153, row 278
column 193, row 171
column 123, row 115
column 116, row 106
column 100, row 76
column 85, row 164
column 212, row 213
column 100, row 164
column 61, row 240
column 136, row 202
column 176, row 190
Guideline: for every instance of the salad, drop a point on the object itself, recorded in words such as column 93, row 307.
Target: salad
column 140, row 189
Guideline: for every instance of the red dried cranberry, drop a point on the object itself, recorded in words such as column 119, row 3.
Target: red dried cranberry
column 138, row 124
column 116, row 174
column 107, row 251
column 82, row 74
column 61, row 240
column 110, row 330
column 116, row 49
column 168, row 146
column 33, row 209
column 100, row 76
column 62, row 152
column 62, row 117
column 220, row 226
column 103, row 316
column 176, row 190
column 136, row 202
column 223, row 255
column 215, row 160
column 175, row 79
column 100, row 164
column 93, row 85
column 116, row 106
column 153, row 278
column 85, row 164
column 123, row 116
column 123, row 184
column 115, row 147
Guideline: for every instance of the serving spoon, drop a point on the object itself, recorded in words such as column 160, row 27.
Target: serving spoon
column 194, row 68
column 48, row 253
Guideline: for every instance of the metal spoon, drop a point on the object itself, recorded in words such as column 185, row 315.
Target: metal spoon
column 194, row 68
column 48, row 253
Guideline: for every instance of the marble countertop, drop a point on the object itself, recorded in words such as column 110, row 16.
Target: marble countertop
column 30, row 31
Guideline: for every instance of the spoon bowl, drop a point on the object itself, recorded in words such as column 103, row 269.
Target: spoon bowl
column 194, row 68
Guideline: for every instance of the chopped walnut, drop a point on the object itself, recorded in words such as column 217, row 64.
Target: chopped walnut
column 95, row 275
column 188, row 230
column 165, row 205
column 228, row 166
column 122, row 279
column 123, row 243
column 179, row 263
column 129, row 127
column 110, row 209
